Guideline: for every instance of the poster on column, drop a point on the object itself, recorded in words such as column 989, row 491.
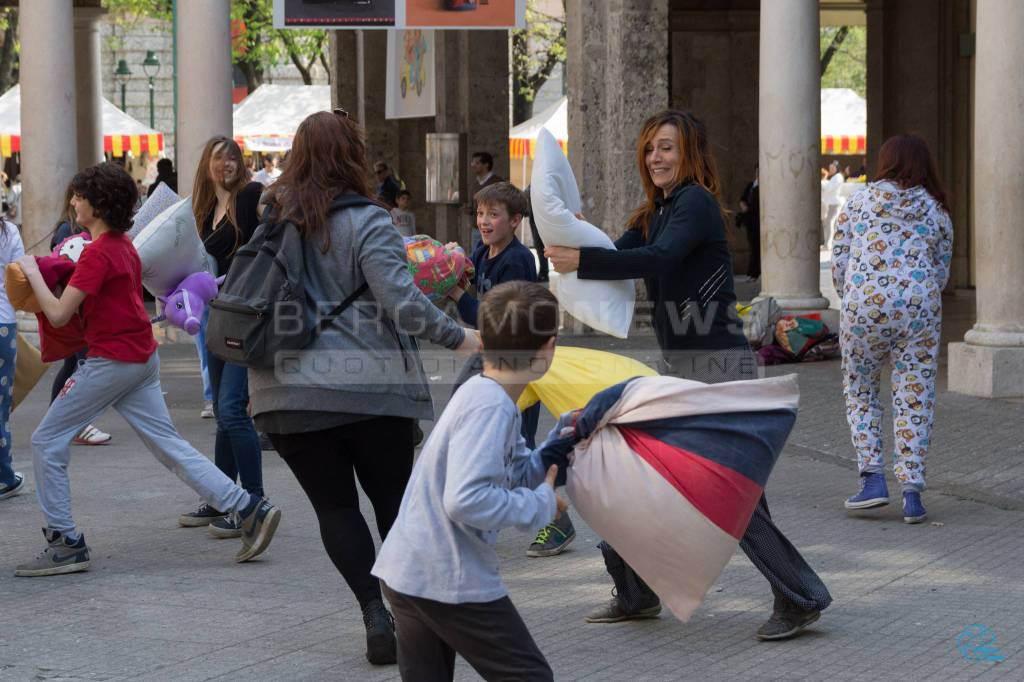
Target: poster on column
column 411, row 86
column 424, row 14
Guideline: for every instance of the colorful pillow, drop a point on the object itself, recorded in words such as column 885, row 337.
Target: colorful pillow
column 436, row 269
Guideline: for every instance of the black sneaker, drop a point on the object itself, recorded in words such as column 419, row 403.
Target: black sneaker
column 226, row 527
column 614, row 612
column 258, row 528
column 381, row 648
column 14, row 488
column 553, row 538
column 203, row 516
column 787, row 620
column 58, row 558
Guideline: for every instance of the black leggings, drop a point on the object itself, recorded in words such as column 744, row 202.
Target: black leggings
column 379, row 453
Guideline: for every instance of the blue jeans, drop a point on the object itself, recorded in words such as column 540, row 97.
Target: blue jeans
column 237, row 448
column 201, row 350
column 8, row 357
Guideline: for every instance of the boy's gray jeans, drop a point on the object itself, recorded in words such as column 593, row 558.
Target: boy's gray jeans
column 133, row 389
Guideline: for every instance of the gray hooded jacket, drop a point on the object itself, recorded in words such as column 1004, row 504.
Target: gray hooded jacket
column 367, row 361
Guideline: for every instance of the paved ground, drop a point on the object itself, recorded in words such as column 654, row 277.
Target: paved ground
column 165, row 603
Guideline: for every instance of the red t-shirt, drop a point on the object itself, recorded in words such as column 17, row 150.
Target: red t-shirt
column 116, row 324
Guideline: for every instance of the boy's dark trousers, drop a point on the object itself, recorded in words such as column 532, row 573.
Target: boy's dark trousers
column 490, row 636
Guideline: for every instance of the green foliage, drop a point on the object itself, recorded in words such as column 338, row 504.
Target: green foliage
column 536, row 50
column 848, row 66
column 125, row 15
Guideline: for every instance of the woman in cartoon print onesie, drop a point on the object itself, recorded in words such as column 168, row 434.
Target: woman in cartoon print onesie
column 890, row 261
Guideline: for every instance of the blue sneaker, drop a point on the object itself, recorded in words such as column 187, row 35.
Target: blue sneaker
column 873, row 493
column 913, row 510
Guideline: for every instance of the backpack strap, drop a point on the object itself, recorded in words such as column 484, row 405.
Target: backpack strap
column 340, row 308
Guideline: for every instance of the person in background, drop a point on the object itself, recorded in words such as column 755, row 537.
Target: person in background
column 11, row 249
column 387, row 187
column 749, row 218
column 165, row 174
column 830, row 190
column 482, row 166
column 402, row 217
column 538, row 243
column 675, row 241
column 269, row 173
column 225, row 201
column 12, row 195
column 890, row 262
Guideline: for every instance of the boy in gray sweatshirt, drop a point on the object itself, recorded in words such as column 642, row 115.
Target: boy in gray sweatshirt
column 474, row 476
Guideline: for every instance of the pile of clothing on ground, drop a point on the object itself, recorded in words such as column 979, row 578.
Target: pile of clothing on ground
column 779, row 338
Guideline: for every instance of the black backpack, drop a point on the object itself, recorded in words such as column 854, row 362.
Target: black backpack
column 264, row 306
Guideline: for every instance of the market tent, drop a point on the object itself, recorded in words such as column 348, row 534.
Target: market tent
column 267, row 119
column 121, row 132
column 844, row 122
column 522, row 138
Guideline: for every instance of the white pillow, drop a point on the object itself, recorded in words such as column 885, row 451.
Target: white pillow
column 605, row 305
column 161, row 198
column 170, row 249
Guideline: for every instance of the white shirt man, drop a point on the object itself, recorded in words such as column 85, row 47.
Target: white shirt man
column 269, row 173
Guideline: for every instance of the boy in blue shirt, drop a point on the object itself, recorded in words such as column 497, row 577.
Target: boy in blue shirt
column 501, row 258
column 438, row 566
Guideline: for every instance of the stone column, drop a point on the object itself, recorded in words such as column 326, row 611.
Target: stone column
column 617, row 69
column 88, row 85
column 789, row 134
column 48, row 131
column 990, row 361
column 204, row 81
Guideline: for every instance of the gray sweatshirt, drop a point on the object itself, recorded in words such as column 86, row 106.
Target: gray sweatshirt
column 367, row 361
column 473, row 477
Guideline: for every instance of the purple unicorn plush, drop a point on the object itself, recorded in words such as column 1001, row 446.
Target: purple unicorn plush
column 184, row 305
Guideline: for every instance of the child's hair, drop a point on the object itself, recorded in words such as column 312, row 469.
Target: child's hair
column 111, row 192
column 516, row 319
column 404, row 193
column 504, row 194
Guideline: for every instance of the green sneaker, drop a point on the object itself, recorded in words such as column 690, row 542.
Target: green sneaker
column 58, row 558
column 553, row 538
column 258, row 528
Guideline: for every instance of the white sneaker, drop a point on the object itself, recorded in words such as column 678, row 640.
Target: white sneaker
column 207, row 412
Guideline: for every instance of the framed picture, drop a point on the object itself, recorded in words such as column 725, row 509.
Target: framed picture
column 445, row 156
column 494, row 14
column 334, row 13
column 411, row 83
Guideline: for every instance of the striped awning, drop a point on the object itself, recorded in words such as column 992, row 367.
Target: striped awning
column 843, row 144
column 117, row 145
column 519, row 148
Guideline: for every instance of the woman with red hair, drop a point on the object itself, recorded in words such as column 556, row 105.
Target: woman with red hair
column 676, row 242
column 890, row 263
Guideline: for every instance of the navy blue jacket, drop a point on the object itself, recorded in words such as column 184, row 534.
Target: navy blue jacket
column 687, row 268
column 514, row 263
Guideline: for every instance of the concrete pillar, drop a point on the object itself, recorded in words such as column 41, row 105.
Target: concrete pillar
column 990, row 361
column 48, row 131
column 789, row 133
column 204, row 81
column 617, row 69
column 88, row 85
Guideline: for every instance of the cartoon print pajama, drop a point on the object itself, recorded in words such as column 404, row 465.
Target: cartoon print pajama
column 891, row 255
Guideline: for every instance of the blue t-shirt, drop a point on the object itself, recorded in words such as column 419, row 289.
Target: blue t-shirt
column 514, row 263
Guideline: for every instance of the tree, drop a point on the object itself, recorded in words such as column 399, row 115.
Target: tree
column 844, row 58
column 536, row 50
column 10, row 49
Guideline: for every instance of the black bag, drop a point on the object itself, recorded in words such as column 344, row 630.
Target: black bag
column 263, row 306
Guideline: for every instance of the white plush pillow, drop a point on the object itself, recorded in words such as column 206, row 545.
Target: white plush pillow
column 604, row 305
column 161, row 198
column 170, row 249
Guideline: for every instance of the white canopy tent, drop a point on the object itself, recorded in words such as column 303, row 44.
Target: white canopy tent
column 267, row 119
column 121, row 132
column 523, row 138
column 844, row 122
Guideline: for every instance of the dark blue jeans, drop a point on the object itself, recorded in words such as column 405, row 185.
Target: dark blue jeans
column 237, row 449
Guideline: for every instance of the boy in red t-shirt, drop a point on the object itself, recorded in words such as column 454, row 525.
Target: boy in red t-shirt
column 122, row 371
